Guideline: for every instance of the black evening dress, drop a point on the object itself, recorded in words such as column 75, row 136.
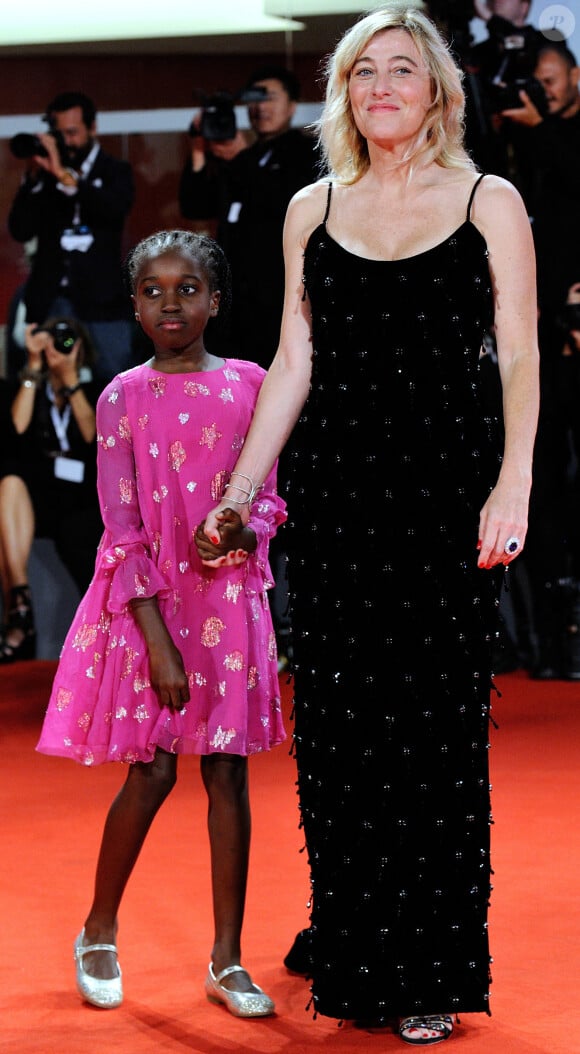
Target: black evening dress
column 389, row 465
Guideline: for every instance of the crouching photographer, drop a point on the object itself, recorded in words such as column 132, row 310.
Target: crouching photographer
column 47, row 471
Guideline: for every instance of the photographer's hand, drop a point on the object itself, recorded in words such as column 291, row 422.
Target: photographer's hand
column 52, row 163
column 227, row 149
column 224, row 149
column 35, row 344
column 526, row 115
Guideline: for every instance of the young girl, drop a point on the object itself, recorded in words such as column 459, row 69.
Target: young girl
column 166, row 656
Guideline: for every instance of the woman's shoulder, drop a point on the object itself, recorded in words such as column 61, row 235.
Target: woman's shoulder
column 307, row 210
column 496, row 201
column 312, row 196
column 490, row 186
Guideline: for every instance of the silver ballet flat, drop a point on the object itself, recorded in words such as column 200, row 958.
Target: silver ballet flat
column 97, row 990
column 240, row 1004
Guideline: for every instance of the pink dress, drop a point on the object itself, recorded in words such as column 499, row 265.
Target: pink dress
column 166, row 446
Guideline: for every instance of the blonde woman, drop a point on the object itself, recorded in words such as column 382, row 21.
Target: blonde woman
column 406, row 503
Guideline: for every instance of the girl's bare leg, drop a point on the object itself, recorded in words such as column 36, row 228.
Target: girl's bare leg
column 128, row 821
column 225, row 778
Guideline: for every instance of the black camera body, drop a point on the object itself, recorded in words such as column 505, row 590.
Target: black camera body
column 218, row 115
column 25, row 145
column 569, row 317
column 507, row 96
column 63, row 336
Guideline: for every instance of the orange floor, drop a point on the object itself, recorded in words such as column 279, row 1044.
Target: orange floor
column 53, row 810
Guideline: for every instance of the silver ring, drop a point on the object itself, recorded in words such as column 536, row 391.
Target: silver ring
column 512, row 545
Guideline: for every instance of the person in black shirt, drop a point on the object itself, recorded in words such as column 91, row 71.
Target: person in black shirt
column 72, row 205
column 247, row 190
column 47, row 472
column 554, row 207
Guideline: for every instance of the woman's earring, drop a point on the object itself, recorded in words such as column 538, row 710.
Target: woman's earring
column 137, row 316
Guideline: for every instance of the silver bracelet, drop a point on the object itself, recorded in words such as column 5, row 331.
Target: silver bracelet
column 250, row 494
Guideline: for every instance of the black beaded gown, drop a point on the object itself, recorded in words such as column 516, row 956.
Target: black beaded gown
column 389, row 465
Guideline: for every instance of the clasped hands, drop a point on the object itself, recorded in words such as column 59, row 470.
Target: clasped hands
column 235, row 543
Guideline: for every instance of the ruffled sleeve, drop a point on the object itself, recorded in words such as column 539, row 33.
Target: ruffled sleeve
column 268, row 512
column 125, row 551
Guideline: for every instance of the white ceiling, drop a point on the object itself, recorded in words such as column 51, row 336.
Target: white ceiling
column 206, row 26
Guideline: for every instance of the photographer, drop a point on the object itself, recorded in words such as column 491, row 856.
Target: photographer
column 47, row 471
column 246, row 189
column 496, row 68
column 554, row 142
column 554, row 206
column 72, row 205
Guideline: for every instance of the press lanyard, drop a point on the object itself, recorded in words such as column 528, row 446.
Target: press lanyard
column 60, row 421
column 83, row 173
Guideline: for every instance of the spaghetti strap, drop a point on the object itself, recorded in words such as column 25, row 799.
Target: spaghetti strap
column 328, row 203
column 471, row 197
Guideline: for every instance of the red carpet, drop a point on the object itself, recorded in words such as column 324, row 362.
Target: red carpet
column 53, row 811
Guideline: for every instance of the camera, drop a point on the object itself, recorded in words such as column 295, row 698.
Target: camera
column 63, row 336
column 507, row 96
column 25, row 145
column 569, row 317
column 218, row 115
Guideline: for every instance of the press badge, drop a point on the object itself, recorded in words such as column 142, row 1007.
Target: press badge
column 76, row 239
column 70, row 469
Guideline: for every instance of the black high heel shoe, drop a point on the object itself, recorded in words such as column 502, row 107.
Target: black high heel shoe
column 20, row 623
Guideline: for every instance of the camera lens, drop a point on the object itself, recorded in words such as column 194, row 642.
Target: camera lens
column 63, row 337
column 25, row 145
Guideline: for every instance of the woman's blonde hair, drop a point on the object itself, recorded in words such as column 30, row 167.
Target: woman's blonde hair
column 440, row 137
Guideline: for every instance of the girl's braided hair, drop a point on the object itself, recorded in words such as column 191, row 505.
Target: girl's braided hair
column 206, row 250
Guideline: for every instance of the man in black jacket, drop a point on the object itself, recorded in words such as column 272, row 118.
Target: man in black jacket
column 247, row 190
column 71, row 206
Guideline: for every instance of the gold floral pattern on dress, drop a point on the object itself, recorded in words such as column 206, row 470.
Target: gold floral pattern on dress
column 124, row 427
column 63, row 698
column 85, row 636
column 176, row 455
column 211, row 631
column 217, row 485
column 234, row 661
column 129, row 656
column 158, row 386
column 126, row 491
column 195, row 388
column 223, row 738
column 210, row 435
column 232, row 591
